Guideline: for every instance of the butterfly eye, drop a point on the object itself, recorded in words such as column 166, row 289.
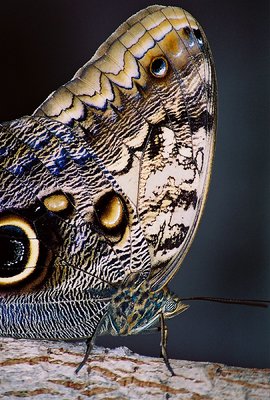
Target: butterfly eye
column 19, row 249
column 159, row 67
column 111, row 215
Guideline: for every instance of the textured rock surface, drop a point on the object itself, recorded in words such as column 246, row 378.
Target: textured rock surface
column 45, row 371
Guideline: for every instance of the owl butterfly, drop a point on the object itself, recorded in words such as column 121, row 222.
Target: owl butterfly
column 103, row 186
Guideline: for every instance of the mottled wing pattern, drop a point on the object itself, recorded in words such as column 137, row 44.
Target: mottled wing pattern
column 40, row 157
column 107, row 178
column 161, row 130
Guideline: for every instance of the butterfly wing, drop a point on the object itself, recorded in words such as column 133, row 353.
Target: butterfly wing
column 107, row 178
column 161, row 129
column 57, row 257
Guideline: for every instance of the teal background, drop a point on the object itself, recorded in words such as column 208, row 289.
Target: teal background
column 43, row 43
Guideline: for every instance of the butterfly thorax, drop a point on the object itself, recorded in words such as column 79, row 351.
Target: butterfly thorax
column 136, row 308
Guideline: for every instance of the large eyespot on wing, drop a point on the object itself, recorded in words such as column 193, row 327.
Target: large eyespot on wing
column 19, row 249
column 25, row 259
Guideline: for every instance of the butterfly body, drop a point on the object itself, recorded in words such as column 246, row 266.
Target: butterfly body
column 135, row 308
column 103, row 187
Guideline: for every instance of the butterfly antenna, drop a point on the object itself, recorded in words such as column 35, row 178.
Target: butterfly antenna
column 244, row 302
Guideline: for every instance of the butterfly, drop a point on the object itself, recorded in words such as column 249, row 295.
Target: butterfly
column 102, row 188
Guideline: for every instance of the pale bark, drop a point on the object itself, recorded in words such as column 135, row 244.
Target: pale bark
column 45, row 371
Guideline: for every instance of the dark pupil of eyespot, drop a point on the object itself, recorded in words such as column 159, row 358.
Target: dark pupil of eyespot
column 198, row 35
column 158, row 66
column 14, row 251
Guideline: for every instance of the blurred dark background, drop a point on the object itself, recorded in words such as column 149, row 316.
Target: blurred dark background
column 43, row 43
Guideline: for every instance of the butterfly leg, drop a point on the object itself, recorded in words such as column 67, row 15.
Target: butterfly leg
column 163, row 343
column 89, row 347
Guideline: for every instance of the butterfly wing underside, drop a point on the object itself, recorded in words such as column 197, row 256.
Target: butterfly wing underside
column 161, row 131
column 113, row 170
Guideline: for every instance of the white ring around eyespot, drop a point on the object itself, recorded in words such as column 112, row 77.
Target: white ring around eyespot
column 30, row 266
